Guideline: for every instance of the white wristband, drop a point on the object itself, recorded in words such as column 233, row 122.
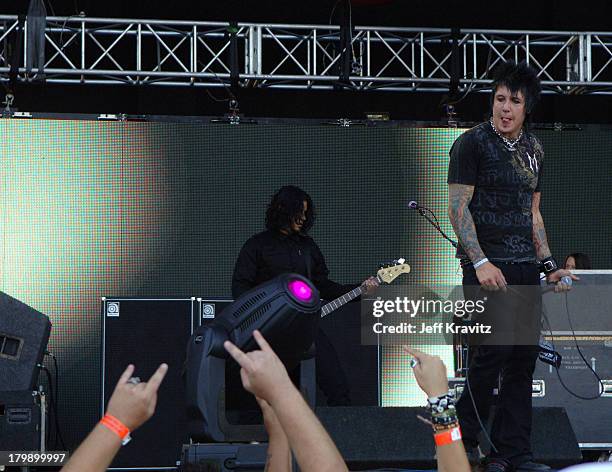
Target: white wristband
column 480, row 262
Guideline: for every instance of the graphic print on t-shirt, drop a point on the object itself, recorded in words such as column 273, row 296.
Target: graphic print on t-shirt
column 504, row 182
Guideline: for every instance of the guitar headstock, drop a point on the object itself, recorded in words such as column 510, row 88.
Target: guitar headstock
column 393, row 270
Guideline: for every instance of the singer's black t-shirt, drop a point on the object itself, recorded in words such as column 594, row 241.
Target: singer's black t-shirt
column 504, row 183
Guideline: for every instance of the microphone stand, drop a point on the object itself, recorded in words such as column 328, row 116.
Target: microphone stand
column 461, row 352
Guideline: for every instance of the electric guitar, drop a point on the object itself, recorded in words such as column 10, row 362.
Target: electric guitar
column 386, row 274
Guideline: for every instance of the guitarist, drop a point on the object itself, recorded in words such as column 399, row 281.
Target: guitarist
column 286, row 247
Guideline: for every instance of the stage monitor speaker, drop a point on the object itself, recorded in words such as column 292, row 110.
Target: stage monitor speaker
column 375, row 437
column 24, row 333
column 147, row 332
column 553, row 441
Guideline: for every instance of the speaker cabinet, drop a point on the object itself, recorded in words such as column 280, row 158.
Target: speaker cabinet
column 210, row 308
column 20, row 421
column 147, row 332
column 24, row 333
column 375, row 437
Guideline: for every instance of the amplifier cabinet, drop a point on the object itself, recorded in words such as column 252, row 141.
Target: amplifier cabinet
column 147, row 332
column 210, row 308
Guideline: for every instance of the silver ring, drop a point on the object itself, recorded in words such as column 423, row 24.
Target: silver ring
column 413, row 363
column 134, row 380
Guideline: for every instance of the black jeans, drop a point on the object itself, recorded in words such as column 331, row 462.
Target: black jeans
column 331, row 378
column 511, row 429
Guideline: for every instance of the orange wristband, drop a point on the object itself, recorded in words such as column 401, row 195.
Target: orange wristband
column 447, row 437
column 116, row 427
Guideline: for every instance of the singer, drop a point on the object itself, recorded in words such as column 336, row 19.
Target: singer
column 495, row 179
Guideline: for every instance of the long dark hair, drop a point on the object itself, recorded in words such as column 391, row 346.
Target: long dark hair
column 582, row 260
column 286, row 205
column 518, row 77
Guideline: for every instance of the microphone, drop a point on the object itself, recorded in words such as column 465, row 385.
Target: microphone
column 548, row 355
column 423, row 210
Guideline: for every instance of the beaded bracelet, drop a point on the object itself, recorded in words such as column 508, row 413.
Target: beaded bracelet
column 437, row 428
column 444, row 420
column 441, row 403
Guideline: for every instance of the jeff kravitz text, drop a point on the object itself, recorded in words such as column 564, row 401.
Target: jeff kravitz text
column 431, row 328
column 405, row 308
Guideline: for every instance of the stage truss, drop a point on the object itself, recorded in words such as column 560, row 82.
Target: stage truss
column 215, row 54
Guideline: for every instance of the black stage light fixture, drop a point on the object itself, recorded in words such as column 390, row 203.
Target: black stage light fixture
column 286, row 310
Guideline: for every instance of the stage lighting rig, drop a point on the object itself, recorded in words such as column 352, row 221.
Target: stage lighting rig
column 286, row 310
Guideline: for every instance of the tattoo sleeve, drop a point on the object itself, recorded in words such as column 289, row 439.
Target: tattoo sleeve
column 539, row 233
column 459, row 197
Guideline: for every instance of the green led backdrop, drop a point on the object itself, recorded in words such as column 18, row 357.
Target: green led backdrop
column 92, row 209
column 432, row 258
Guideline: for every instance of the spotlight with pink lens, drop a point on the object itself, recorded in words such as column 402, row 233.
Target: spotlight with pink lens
column 300, row 290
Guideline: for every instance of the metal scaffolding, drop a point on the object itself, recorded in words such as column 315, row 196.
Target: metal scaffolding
column 86, row 50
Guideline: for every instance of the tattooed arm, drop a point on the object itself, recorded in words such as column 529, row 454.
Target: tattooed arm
column 541, row 246
column 539, row 233
column 459, row 197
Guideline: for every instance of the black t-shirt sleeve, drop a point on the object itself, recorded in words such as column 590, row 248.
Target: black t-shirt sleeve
column 328, row 289
column 464, row 157
column 245, row 270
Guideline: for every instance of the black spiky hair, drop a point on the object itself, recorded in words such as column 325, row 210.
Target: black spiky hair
column 518, row 77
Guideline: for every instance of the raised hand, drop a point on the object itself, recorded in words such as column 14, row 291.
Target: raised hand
column 430, row 372
column 133, row 404
column 262, row 372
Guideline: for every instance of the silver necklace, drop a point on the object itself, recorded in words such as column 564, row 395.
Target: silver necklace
column 509, row 143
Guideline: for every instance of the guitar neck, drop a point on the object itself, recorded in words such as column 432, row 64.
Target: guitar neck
column 343, row 300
